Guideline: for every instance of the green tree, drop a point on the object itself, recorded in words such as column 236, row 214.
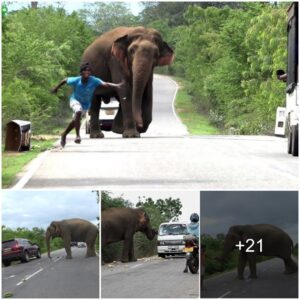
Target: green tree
column 104, row 16
column 35, row 57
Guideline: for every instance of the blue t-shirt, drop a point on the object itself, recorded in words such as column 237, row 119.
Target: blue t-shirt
column 83, row 92
column 193, row 228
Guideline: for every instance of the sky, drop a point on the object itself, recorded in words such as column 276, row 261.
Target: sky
column 190, row 200
column 39, row 208
column 70, row 6
column 220, row 210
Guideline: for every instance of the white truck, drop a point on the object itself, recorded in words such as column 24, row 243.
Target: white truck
column 170, row 239
column 287, row 118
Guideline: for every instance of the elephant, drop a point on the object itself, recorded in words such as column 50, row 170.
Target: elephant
column 128, row 55
column 120, row 224
column 73, row 230
column 275, row 242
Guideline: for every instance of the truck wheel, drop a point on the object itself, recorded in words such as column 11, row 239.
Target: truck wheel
column 295, row 139
column 289, row 142
column 162, row 255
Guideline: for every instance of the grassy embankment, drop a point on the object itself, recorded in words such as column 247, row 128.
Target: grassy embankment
column 196, row 123
column 14, row 162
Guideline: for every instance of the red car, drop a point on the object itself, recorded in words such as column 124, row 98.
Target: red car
column 19, row 249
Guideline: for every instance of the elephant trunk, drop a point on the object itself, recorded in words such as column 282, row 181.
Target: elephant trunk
column 48, row 236
column 141, row 74
column 151, row 233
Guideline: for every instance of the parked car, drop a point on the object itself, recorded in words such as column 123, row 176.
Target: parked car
column 107, row 114
column 81, row 245
column 19, row 249
column 73, row 244
column 170, row 239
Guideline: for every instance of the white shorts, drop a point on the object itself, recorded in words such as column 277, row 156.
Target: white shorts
column 76, row 107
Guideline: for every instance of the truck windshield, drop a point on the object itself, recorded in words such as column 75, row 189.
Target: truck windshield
column 173, row 229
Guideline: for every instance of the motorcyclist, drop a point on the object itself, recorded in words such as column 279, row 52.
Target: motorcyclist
column 193, row 229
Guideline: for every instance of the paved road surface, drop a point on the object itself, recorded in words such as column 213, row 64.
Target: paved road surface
column 271, row 283
column 56, row 278
column 166, row 157
column 149, row 278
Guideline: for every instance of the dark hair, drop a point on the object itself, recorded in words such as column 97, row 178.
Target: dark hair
column 84, row 67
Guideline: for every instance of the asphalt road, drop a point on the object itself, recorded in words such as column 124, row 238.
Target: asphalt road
column 149, row 278
column 271, row 283
column 166, row 157
column 56, row 278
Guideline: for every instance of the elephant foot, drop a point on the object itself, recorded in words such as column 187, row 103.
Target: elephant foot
column 131, row 134
column 252, row 277
column 68, row 257
column 90, row 255
column 96, row 135
column 132, row 260
column 124, row 260
column 240, row 277
column 290, row 271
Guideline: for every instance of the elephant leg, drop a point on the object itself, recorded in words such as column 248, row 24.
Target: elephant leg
column 147, row 106
column 290, row 266
column 252, row 266
column 90, row 251
column 94, row 121
column 131, row 255
column 129, row 126
column 67, row 244
column 126, row 248
column 117, row 125
column 241, row 265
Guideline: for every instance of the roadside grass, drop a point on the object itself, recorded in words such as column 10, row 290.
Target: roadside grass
column 196, row 123
column 14, row 162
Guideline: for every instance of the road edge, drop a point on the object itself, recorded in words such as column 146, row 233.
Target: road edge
column 31, row 168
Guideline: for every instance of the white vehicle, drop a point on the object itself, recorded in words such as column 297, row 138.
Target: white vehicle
column 170, row 239
column 287, row 119
column 107, row 115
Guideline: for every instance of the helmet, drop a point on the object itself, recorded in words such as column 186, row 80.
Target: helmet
column 194, row 218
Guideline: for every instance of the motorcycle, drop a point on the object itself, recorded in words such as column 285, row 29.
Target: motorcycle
column 192, row 254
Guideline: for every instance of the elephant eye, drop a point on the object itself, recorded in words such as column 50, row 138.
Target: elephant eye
column 131, row 51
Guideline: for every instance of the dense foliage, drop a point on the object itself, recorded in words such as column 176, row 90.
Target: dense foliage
column 35, row 235
column 159, row 211
column 35, row 58
column 228, row 52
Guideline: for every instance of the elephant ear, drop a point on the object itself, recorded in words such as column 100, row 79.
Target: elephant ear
column 119, row 47
column 56, row 228
column 143, row 219
column 166, row 55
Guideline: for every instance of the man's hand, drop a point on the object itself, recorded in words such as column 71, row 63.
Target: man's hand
column 54, row 90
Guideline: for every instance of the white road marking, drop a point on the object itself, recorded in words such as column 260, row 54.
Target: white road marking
column 56, row 260
column 11, row 276
column 226, row 294
column 173, row 105
column 35, row 164
column 30, row 276
column 136, row 266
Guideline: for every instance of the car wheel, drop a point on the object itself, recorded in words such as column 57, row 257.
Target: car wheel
column 6, row 263
column 38, row 254
column 25, row 258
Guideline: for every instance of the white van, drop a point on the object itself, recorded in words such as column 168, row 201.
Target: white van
column 170, row 238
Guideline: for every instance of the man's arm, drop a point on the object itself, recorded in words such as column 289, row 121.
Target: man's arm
column 55, row 89
column 113, row 85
